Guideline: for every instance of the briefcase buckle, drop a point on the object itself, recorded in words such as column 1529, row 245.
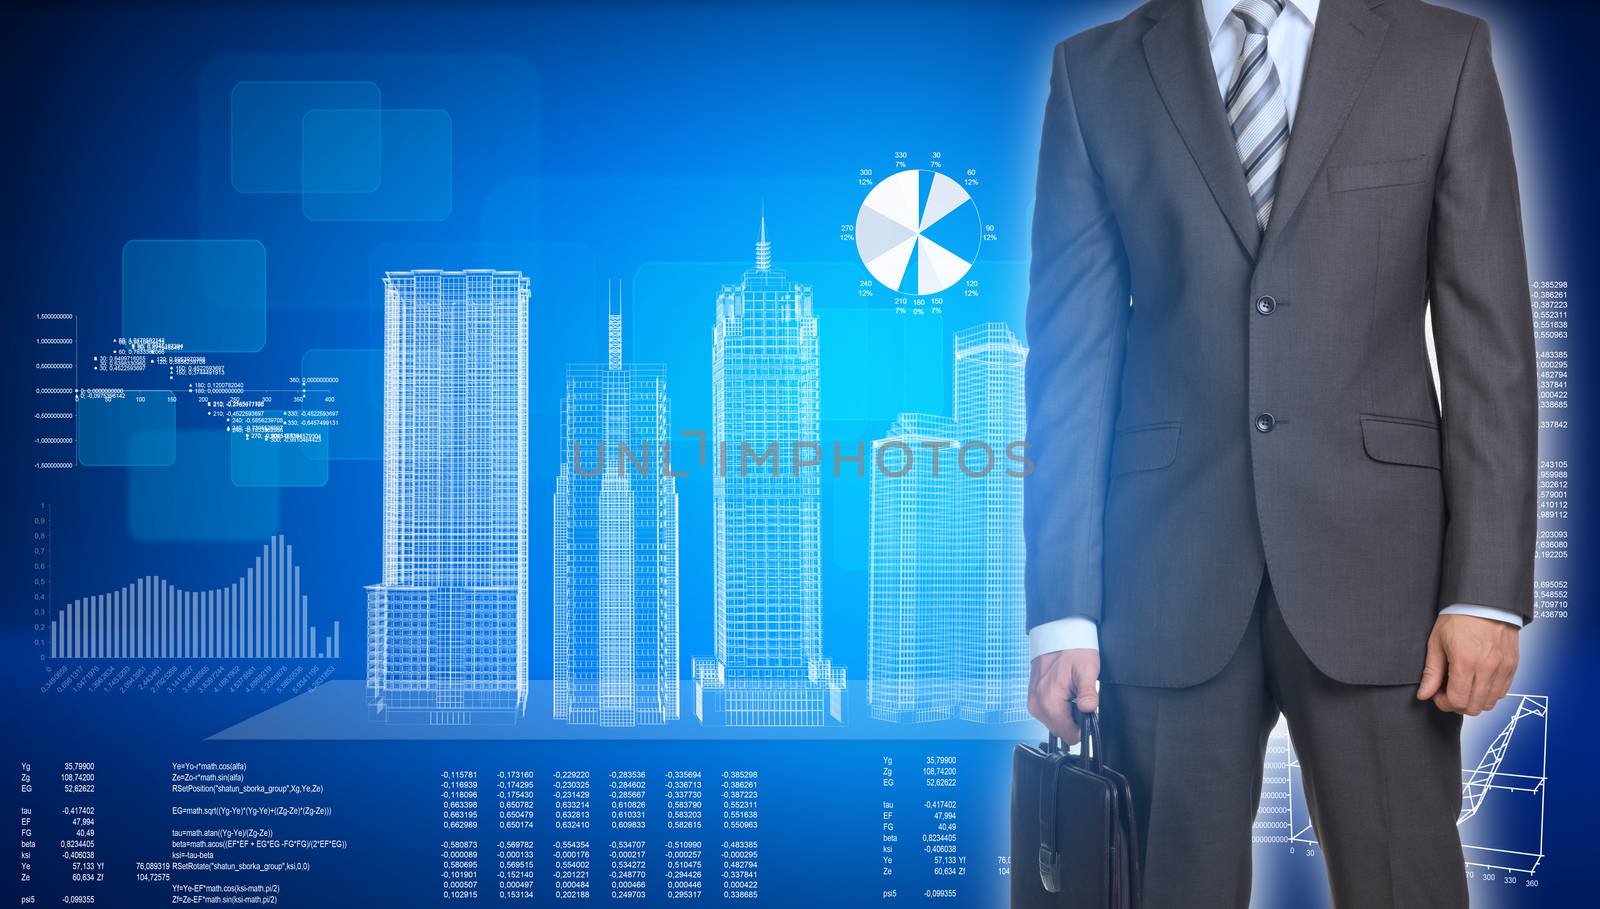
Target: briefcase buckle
column 1050, row 869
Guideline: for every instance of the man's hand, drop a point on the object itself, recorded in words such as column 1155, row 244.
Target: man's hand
column 1058, row 679
column 1470, row 663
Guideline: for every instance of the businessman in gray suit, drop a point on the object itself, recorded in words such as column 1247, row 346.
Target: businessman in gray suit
column 1247, row 501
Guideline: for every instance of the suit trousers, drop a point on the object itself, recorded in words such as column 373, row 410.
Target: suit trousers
column 1381, row 773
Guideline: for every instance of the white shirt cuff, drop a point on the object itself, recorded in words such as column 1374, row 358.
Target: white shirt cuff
column 1484, row 612
column 1075, row 633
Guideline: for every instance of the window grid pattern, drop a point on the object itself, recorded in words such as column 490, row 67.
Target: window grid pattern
column 449, row 618
column 990, row 407
column 768, row 668
column 616, row 547
column 915, row 585
column 947, row 613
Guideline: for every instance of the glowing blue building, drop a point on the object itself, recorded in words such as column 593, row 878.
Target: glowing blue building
column 447, row 627
column 915, row 574
column 616, row 545
column 768, row 668
column 947, row 614
column 992, row 646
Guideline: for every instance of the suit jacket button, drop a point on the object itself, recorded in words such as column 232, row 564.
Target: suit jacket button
column 1266, row 305
column 1265, row 422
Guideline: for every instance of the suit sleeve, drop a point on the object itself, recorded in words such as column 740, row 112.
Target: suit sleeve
column 1483, row 336
column 1077, row 318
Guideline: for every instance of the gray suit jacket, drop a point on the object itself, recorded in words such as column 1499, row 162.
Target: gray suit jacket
column 1157, row 498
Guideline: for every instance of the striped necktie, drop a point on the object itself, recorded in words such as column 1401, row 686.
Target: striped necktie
column 1256, row 108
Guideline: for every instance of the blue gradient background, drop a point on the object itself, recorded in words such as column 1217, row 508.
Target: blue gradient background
column 592, row 142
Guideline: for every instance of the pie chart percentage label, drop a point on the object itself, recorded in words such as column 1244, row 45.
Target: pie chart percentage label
column 918, row 232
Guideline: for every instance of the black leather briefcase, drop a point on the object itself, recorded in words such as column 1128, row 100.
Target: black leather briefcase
column 1074, row 844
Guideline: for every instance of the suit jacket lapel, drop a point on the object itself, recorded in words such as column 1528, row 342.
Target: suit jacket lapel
column 1343, row 49
column 1177, row 49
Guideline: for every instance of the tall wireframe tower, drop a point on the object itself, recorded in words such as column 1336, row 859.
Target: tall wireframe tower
column 616, row 544
column 768, row 668
column 993, row 642
column 947, row 614
column 448, row 624
column 916, row 571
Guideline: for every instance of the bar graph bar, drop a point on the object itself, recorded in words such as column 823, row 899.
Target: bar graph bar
column 261, row 616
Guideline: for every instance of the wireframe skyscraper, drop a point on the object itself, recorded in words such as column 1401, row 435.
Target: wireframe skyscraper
column 448, row 624
column 993, row 643
column 768, row 669
column 915, row 571
column 616, row 545
column 948, row 618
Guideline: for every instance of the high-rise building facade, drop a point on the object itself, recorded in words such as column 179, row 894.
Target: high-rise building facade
column 948, row 617
column 992, row 649
column 448, row 623
column 616, row 545
column 915, row 576
column 768, row 668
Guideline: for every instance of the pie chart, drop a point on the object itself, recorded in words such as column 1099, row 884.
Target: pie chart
column 918, row 232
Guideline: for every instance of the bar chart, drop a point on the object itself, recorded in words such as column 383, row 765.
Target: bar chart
column 261, row 616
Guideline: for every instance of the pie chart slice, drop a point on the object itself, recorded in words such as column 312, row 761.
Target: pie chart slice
column 891, row 265
column 918, row 232
column 944, row 196
column 897, row 198
column 877, row 233
column 937, row 267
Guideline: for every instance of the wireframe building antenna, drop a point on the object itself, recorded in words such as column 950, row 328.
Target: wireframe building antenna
column 767, row 666
column 763, row 248
column 614, row 324
column 615, row 545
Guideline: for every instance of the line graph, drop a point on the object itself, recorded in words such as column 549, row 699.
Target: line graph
column 1503, row 797
column 1502, row 791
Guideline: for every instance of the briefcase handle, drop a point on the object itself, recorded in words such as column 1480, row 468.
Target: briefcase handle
column 1090, row 757
column 1091, row 754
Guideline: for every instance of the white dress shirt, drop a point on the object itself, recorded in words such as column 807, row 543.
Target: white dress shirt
column 1289, row 43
